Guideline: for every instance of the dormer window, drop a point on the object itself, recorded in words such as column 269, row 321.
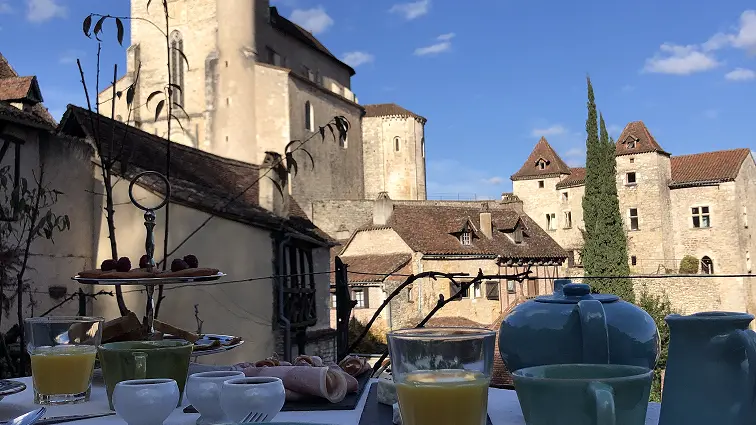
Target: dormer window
column 631, row 142
column 518, row 234
column 465, row 238
column 541, row 164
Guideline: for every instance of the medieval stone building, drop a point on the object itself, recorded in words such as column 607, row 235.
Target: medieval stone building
column 253, row 81
column 672, row 206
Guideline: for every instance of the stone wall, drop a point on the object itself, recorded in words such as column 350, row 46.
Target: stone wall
column 400, row 172
column 337, row 173
column 375, row 242
column 341, row 218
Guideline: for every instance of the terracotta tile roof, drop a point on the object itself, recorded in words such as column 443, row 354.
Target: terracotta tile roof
column 27, row 118
column 542, row 152
column 576, row 178
column 382, row 265
column 199, row 180
column 426, row 229
column 391, row 109
column 637, row 132
column 16, row 88
column 719, row 166
column 452, row 321
column 293, row 30
column 6, row 70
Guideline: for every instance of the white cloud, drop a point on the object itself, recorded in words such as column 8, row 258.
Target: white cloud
column 494, row 180
column 355, row 59
column 70, row 56
column 444, row 44
column 745, row 38
column 575, row 157
column 680, row 60
column 451, row 179
column 44, row 10
column 411, row 10
column 315, row 20
column 554, row 130
column 740, row 74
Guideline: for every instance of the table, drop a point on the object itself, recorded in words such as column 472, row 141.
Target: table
column 503, row 408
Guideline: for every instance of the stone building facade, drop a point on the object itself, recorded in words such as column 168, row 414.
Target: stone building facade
column 410, row 237
column 251, row 82
column 672, row 206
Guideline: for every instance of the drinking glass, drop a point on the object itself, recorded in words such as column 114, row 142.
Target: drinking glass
column 442, row 374
column 62, row 351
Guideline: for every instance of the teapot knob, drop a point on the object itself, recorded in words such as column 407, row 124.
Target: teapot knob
column 576, row 290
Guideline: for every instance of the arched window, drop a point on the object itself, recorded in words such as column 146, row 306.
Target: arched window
column 397, row 141
column 177, row 67
column 309, row 117
column 707, row 266
column 343, row 140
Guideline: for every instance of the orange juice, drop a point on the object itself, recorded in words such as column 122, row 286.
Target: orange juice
column 62, row 369
column 443, row 397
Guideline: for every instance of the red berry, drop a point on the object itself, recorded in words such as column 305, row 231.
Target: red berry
column 144, row 262
column 192, row 261
column 178, row 264
column 108, row 265
column 124, row 264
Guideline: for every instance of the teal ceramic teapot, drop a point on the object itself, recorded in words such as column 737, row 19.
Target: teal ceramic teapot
column 574, row 326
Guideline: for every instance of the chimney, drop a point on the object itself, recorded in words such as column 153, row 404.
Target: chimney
column 486, row 227
column 383, row 207
column 273, row 190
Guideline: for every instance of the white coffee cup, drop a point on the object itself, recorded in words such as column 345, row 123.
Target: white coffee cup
column 203, row 391
column 240, row 396
column 145, row 401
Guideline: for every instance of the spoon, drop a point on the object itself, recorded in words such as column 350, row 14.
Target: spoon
column 27, row 418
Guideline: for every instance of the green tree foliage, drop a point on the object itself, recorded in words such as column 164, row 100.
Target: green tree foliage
column 659, row 307
column 372, row 342
column 689, row 265
column 605, row 248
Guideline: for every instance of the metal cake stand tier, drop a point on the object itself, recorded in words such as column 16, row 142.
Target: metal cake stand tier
column 149, row 245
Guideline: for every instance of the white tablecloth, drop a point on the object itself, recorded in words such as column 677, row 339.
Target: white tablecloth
column 503, row 409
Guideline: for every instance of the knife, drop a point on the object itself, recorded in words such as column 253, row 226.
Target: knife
column 63, row 419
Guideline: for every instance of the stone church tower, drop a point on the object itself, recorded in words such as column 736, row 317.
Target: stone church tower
column 254, row 82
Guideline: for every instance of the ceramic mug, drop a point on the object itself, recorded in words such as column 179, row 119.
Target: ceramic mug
column 145, row 401
column 203, row 391
column 240, row 396
column 589, row 394
column 122, row 361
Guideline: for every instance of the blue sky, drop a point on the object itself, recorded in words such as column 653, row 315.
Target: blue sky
column 491, row 76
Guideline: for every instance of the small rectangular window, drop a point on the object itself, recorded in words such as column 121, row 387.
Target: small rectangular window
column 511, row 287
column 745, row 216
column 568, row 219
column 333, row 300
column 518, row 234
column 633, row 260
column 551, row 223
column 632, row 160
column 359, row 296
column 541, row 184
column 565, row 196
column 476, row 290
column 455, row 289
column 630, row 178
column 492, row 290
column 633, row 215
column 571, row 258
column 701, row 217
column 465, row 238
column 410, row 294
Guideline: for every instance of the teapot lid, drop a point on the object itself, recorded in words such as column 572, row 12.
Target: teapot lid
column 572, row 293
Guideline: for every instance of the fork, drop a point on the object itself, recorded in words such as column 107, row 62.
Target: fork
column 254, row 417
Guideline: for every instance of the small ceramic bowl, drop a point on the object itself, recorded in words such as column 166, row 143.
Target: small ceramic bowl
column 240, row 396
column 145, row 401
column 203, row 391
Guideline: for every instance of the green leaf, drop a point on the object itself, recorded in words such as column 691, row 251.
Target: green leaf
column 183, row 57
column 130, row 93
column 159, row 109
column 152, row 95
column 178, row 121
column 277, row 185
column 291, row 164
column 312, row 160
column 98, row 26
column 119, row 26
column 87, row 25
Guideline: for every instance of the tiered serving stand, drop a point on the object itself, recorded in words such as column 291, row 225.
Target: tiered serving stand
column 150, row 283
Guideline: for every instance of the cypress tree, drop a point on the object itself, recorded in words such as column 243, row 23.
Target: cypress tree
column 605, row 242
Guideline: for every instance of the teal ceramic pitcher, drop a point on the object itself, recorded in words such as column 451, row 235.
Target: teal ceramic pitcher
column 711, row 370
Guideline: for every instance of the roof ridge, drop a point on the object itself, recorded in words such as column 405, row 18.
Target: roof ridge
column 712, row 152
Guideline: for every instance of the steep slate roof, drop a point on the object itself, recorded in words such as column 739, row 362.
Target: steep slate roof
column 391, row 109
column 576, row 178
column 707, row 167
column 291, row 29
column 644, row 140
column 199, row 180
column 542, row 151
column 426, row 229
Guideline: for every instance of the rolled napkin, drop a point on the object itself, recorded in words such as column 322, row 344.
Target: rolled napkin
column 354, row 365
column 352, row 384
column 301, row 382
column 308, row 361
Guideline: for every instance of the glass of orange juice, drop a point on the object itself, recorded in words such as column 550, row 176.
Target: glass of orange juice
column 442, row 374
column 62, row 351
